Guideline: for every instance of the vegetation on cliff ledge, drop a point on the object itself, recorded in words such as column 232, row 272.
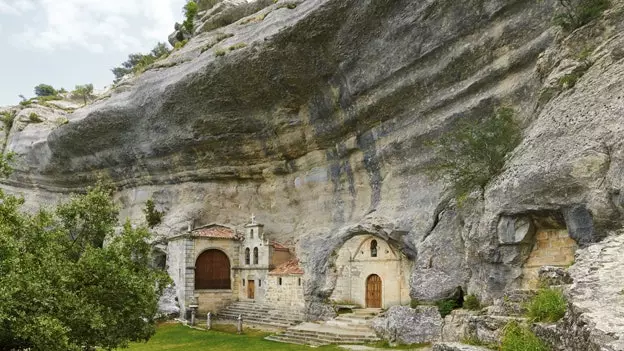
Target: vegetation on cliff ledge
column 576, row 13
column 474, row 152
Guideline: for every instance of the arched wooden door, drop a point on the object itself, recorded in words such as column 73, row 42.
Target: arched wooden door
column 373, row 291
column 212, row 270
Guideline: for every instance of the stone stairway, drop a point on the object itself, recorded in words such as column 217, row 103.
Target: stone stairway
column 262, row 314
column 351, row 328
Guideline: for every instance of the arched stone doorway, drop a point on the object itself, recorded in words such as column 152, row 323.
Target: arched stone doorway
column 212, row 271
column 373, row 291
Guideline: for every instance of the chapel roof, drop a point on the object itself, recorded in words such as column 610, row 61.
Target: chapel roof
column 288, row 267
column 215, row 231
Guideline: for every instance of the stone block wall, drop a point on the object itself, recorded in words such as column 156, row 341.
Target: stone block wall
column 287, row 295
column 553, row 247
column 213, row 300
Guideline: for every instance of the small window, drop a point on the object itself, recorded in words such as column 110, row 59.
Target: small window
column 259, row 282
column 247, row 256
column 299, row 281
column 373, row 248
column 251, row 234
column 243, row 282
column 255, row 255
column 279, row 281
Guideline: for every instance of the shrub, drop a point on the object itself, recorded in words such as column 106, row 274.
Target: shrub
column 549, row 305
column 62, row 121
column 520, row 338
column 84, row 91
column 190, row 11
column 219, row 52
column 25, row 103
column 152, row 215
column 7, row 119
column 473, row 153
column 180, row 44
column 576, row 13
column 34, row 118
column 471, row 302
column 445, row 307
column 45, row 90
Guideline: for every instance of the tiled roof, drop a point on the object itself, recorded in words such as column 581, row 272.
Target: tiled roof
column 215, row 231
column 278, row 246
column 289, row 267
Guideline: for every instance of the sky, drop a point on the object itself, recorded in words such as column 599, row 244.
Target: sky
column 69, row 42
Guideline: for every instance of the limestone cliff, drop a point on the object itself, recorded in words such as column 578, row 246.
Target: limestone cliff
column 316, row 116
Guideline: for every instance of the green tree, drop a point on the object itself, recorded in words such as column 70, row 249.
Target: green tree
column 84, row 91
column 152, row 215
column 473, row 153
column 137, row 62
column 45, row 90
column 61, row 289
column 190, row 11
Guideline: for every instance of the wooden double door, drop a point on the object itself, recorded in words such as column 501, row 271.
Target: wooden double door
column 373, row 291
column 251, row 289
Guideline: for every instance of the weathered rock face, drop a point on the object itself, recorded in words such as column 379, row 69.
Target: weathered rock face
column 595, row 317
column 320, row 126
column 405, row 325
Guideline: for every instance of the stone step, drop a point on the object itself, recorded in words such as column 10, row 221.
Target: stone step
column 290, row 340
column 320, row 339
column 280, row 324
column 263, row 315
column 456, row 346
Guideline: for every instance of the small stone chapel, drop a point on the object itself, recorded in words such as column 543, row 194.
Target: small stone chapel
column 214, row 265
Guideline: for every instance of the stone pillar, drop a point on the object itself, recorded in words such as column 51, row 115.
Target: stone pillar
column 193, row 311
column 209, row 321
column 239, row 326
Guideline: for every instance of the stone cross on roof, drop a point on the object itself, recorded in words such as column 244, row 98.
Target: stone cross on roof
column 253, row 219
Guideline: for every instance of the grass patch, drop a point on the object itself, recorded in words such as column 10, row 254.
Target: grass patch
column 219, row 52
column 34, row 118
column 288, row 5
column 549, row 305
column 445, row 307
column 237, row 46
column 517, row 337
column 222, row 338
column 474, row 341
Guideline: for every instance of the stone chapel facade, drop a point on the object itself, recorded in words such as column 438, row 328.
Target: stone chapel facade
column 215, row 265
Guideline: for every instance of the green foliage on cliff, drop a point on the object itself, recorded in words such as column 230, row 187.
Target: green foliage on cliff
column 45, row 90
column 518, row 337
column 153, row 217
column 190, row 11
column 34, row 118
column 85, row 92
column 137, row 63
column 8, row 117
column 474, row 152
column 549, row 305
column 576, row 13
column 61, row 289
column 471, row 302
